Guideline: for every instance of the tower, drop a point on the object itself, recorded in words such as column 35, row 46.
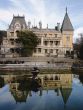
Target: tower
column 67, row 33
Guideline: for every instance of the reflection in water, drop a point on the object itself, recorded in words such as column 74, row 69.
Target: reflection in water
column 1, row 82
column 23, row 88
column 81, row 78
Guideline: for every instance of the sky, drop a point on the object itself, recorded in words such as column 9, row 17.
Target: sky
column 48, row 11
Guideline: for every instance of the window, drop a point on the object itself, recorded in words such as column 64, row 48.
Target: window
column 51, row 50
column 45, row 42
column 56, row 78
column 12, row 42
column 39, row 50
column 46, row 51
column 34, row 50
column 17, row 40
column 57, row 51
column 68, row 38
column 17, row 26
column 11, row 39
column 51, row 42
column 45, row 35
column 12, row 34
column 57, row 43
column 12, row 50
column 55, row 35
column 50, row 34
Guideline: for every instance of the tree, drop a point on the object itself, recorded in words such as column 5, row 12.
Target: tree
column 78, row 47
column 81, row 47
column 81, row 51
column 28, row 41
column 2, row 34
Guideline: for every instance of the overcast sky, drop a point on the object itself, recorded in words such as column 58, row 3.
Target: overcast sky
column 48, row 11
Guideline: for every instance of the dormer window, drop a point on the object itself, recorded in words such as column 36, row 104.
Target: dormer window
column 17, row 26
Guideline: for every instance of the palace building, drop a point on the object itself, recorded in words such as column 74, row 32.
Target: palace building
column 53, row 42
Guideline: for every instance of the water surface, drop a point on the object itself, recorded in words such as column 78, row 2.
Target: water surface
column 45, row 92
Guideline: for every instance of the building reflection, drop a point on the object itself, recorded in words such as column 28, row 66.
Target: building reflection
column 21, row 87
column 60, row 83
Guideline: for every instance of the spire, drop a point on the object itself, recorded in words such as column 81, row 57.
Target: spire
column 47, row 26
column 66, row 9
column 66, row 92
column 67, row 25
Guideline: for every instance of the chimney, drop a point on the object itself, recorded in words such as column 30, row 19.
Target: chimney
column 58, row 26
column 40, row 25
column 47, row 26
column 29, row 24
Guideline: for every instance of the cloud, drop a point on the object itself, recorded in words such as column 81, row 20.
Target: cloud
column 5, row 17
column 34, row 10
column 47, row 11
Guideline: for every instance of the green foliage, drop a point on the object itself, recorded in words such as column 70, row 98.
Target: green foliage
column 2, row 34
column 81, row 52
column 29, row 41
column 78, row 47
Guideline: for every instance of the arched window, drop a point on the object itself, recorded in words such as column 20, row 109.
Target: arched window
column 56, row 77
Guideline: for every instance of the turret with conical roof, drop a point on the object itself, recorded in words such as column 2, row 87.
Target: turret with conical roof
column 65, row 94
column 67, row 25
column 67, row 34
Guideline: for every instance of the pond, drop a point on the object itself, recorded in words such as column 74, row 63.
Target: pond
column 44, row 92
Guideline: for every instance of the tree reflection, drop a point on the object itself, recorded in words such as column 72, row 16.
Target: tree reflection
column 81, row 78
column 23, row 86
column 1, row 82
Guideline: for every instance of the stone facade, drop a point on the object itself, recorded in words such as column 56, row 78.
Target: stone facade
column 53, row 42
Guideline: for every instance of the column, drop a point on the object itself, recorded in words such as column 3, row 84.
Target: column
column 42, row 41
column 42, row 50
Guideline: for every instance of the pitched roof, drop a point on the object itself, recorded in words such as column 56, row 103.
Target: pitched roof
column 67, row 25
column 20, row 19
column 65, row 94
